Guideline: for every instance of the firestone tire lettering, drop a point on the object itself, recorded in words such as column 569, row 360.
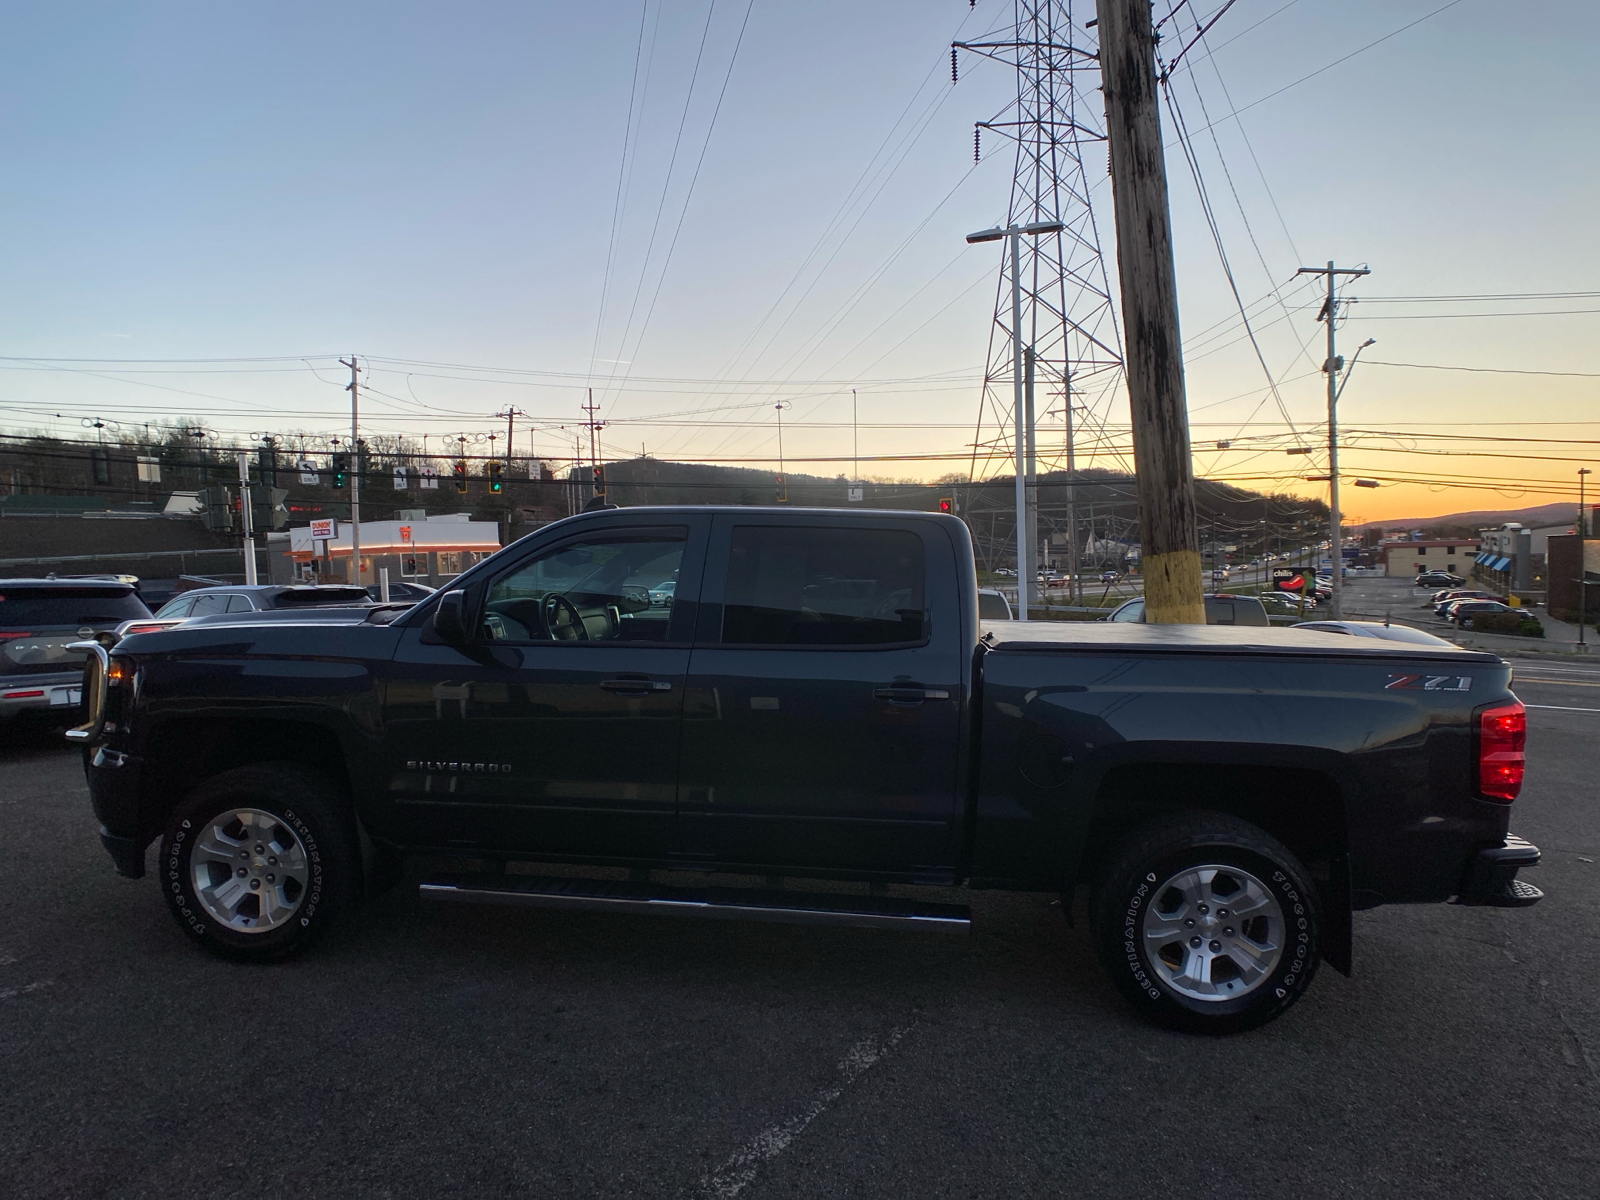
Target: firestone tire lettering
column 1191, row 840
column 319, row 817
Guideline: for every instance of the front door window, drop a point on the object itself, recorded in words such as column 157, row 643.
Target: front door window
column 614, row 589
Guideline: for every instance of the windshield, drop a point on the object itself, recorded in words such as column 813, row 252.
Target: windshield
column 24, row 607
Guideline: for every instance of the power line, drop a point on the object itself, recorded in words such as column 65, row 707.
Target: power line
column 1375, row 362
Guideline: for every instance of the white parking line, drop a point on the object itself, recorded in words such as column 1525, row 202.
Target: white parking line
column 13, row 993
column 735, row 1174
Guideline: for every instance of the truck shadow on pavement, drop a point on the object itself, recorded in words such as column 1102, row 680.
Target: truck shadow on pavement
column 1021, row 950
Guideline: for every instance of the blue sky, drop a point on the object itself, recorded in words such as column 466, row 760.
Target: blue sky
column 437, row 184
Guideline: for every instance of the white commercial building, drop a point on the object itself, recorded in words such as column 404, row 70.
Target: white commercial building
column 430, row 550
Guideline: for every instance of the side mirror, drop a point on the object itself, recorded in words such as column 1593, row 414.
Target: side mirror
column 450, row 618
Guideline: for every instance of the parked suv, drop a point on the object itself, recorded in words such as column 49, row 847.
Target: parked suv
column 39, row 620
column 1463, row 611
column 264, row 597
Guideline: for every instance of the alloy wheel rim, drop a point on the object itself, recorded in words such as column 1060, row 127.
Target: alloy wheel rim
column 1214, row 932
column 249, row 870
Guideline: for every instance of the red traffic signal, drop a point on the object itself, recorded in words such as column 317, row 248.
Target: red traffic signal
column 947, row 505
column 461, row 475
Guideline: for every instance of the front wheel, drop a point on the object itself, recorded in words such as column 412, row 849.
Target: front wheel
column 257, row 861
column 1206, row 923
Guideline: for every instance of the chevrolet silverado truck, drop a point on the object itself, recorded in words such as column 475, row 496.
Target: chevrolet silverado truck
column 686, row 695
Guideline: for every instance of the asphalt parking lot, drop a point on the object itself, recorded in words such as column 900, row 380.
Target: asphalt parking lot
column 440, row 1050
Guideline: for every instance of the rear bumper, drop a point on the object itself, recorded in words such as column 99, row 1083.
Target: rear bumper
column 59, row 690
column 1491, row 880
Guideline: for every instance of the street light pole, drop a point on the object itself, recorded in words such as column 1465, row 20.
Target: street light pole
column 1023, row 434
column 244, row 519
column 783, row 488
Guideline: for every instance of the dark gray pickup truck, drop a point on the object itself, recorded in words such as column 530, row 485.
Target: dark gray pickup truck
column 689, row 693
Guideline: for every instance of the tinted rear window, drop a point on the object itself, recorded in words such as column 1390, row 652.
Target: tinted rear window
column 993, row 608
column 349, row 595
column 823, row 587
column 23, row 607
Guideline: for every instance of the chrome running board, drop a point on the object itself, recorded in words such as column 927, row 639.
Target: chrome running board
column 735, row 904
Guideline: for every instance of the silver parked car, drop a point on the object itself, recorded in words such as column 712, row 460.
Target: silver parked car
column 1376, row 629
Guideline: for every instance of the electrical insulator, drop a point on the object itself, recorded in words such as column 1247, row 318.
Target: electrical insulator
column 952, row 64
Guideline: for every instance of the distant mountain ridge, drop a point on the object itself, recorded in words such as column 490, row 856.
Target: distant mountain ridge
column 1544, row 514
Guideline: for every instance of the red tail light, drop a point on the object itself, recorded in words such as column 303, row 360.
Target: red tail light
column 1502, row 733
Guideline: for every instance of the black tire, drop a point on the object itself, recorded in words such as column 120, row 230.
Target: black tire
column 1134, row 885
column 306, row 820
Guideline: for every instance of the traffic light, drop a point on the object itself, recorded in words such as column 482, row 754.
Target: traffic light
column 217, row 512
column 947, row 505
column 267, row 509
column 267, row 465
column 341, row 469
column 461, row 475
column 494, row 475
column 599, row 480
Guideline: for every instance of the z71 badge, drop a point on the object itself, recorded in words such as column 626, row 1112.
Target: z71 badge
column 1429, row 683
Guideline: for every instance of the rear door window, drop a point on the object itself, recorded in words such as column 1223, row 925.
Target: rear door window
column 796, row 586
column 206, row 605
column 23, row 607
column 239, row 604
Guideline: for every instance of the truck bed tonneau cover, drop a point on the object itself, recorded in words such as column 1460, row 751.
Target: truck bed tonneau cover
column 1035, row 636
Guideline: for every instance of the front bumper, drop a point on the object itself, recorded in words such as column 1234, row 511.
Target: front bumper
column 1491, row 880
column 113, row 777
column 61, row 691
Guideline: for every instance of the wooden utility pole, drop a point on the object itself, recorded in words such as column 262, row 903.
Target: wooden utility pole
column 1332, row 367
column 1154, row 363
column 354, row 388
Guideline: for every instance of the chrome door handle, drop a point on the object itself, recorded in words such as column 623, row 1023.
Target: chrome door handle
column 910, row 694
column 640, row 686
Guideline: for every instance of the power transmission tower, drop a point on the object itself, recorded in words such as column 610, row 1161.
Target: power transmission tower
column 1066, row 315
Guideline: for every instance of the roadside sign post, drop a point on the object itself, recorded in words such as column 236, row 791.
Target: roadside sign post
column 323, row 531
column 1289, row 579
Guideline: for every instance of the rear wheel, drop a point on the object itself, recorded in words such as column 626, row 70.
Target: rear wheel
column 1206, row 923
column 257, row 861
